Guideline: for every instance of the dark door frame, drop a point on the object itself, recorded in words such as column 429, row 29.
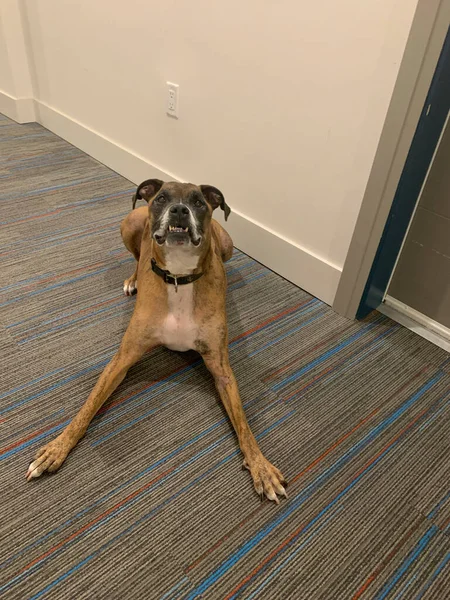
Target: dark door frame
column 428, row 132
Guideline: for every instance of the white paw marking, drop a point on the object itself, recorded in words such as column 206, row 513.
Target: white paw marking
column 129, row 288
column 33, row 471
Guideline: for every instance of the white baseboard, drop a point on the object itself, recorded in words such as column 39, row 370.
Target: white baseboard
column 20, row 110
column 416, row 321
column 310, row 272
column 116, row 157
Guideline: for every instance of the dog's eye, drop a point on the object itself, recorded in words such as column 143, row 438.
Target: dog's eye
column 198, row 203
column 161, row 199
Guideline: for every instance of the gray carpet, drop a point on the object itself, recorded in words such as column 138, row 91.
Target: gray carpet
column 153, row 502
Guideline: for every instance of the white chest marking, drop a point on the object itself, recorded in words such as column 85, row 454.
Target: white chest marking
column 179, row 261
column 179, row 331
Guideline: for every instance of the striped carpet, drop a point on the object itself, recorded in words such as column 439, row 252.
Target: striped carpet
column 153, row 503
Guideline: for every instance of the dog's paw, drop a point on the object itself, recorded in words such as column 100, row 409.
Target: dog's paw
column 130, row 286
column 48, row 458
column 267, row 479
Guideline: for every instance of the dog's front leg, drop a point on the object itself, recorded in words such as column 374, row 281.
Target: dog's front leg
column 51, row 456
column 267, row 479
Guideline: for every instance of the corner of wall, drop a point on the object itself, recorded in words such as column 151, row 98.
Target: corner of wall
column 21, row 110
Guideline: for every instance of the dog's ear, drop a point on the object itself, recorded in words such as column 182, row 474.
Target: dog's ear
column 215, row 199
column 147, row 189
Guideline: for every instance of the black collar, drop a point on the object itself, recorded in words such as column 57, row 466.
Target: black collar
column 173, row 279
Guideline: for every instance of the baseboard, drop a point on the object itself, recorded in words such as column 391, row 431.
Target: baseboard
column 310, row 272
column 419, row 317
column 20, row 110
column 116, row 157
column 416, row 321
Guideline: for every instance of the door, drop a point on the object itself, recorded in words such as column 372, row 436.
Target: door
column 426, row 138
column 421, row 278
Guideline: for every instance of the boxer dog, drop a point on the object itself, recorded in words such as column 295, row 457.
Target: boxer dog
column 180, row 278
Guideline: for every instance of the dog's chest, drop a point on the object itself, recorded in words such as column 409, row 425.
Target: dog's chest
column 179, row 330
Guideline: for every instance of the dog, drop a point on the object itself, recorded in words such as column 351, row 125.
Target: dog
column 180, row 283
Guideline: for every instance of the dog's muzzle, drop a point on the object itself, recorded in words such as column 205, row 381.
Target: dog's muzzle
column 178, row 226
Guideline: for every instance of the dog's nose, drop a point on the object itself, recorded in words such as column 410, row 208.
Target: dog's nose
column 180, row 210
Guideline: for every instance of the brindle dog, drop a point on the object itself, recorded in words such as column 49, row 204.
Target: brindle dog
column 180, row 250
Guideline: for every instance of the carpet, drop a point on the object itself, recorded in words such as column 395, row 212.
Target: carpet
column 153, row 502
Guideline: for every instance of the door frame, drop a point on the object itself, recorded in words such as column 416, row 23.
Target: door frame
column 423, row 49
column 420, row 157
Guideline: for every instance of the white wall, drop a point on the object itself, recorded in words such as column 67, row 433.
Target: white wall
column 281, row 105
column 6, row 80
column 16, row 90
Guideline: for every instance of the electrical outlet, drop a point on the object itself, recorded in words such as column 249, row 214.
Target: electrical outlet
column 172, row 99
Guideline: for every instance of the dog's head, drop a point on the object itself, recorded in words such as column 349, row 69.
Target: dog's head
column 180, row 212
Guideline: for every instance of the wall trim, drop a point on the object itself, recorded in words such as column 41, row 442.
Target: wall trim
column 416, row 321
column 20, row 110
column 300, row 266
column 417, row 316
